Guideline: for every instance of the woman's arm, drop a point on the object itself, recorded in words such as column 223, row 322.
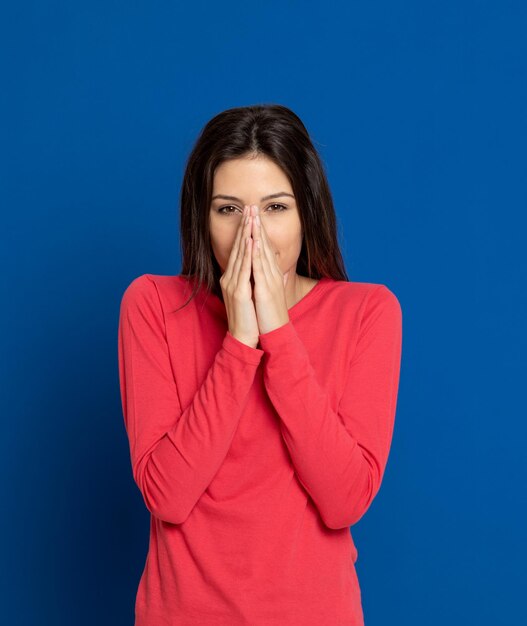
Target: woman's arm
column 175, row 453
column 339, row 457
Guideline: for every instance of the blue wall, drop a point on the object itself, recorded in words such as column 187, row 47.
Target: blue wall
column 419, row 112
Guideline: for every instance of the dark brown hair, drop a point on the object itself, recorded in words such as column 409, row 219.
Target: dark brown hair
column 275, row 131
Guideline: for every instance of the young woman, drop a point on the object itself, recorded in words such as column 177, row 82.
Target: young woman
column 259, row 410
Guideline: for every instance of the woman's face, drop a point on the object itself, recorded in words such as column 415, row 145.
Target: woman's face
column 242, row 181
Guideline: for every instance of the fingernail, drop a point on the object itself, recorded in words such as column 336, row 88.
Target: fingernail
column 258, row 220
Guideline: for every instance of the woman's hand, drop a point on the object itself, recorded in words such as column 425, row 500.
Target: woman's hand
column 236, row 286
column 269, row 282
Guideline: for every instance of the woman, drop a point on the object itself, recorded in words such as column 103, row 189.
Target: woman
column 260, row 410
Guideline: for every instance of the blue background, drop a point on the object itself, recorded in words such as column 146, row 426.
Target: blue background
column 419, row 112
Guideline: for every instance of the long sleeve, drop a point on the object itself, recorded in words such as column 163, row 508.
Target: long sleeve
column 175, row 451
column 339, row 457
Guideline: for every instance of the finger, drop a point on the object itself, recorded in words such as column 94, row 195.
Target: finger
column 259, row 270
column 266, row 253
column 268, row 247
column 244, row 274
column 246, row 266
column 240, row 259
column 271, row 254
column 236, row 245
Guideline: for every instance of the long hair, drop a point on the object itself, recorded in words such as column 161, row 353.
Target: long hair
column 275, row 131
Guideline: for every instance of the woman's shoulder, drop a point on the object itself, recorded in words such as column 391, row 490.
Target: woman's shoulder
column 370, row 307
column 362, row 294
column 167, row 291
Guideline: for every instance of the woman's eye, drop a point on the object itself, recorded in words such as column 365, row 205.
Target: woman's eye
column 225, row 209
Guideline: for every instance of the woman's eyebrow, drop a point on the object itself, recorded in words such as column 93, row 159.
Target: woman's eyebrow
column 279, row 194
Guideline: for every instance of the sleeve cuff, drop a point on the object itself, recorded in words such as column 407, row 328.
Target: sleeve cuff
column 277, row 337
column 241, row 350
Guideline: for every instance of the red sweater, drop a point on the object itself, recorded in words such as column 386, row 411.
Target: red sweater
column 254, row 462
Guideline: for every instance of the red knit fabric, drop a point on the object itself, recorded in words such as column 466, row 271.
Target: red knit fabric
column 254, row 462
